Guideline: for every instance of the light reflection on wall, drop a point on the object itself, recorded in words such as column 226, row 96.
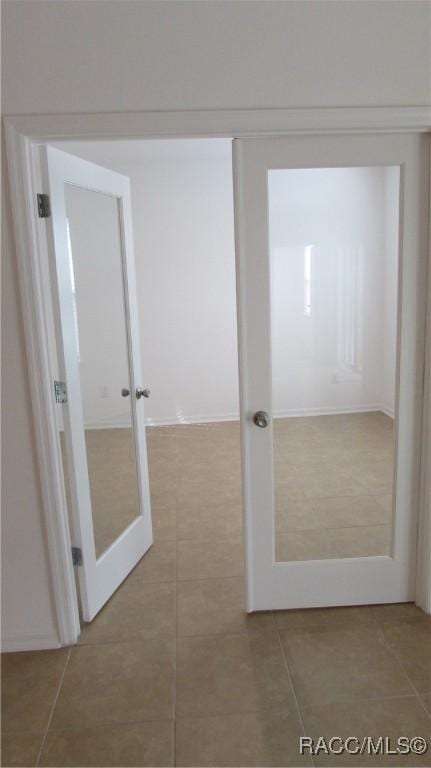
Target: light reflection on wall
column 330, row 293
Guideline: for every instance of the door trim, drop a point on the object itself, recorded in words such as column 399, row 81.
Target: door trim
column 24, row 178
column 423, row 575
column 231, row 123
column 23, row 133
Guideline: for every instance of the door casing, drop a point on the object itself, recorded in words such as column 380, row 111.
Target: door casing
column 23, row 135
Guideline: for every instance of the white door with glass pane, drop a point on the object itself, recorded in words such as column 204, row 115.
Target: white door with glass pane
column 101, row 426
column 331, row 243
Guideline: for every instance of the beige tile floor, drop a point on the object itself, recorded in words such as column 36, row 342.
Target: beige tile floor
column 333, row 482
column 172, row 671
column 113, row 482
column 333, row 486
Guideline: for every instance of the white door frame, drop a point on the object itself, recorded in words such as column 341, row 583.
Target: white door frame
column 23, row 134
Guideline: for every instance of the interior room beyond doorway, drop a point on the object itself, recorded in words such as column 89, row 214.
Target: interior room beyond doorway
column 334, row 330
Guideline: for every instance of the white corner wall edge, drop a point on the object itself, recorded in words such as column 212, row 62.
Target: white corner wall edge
column 21, row 131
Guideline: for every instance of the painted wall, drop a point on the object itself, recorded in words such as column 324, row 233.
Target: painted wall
column 182, row 204
column 72, row 57
column 337, row 353
column 28, row 619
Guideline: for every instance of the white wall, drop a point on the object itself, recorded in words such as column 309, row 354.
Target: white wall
column 342, row 356
column 183, row 213
column 140, row 54
column 182, row 204
column 87, row 56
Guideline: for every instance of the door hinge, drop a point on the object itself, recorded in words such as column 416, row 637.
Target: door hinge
column 76, row 556
column 43, row 206
column 60, row 391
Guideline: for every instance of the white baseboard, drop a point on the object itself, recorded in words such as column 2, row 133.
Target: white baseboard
column 209, row 419
column 29, row 643
column 216, row 418
column 289, row 413
column 327, row 410
column 170, row 421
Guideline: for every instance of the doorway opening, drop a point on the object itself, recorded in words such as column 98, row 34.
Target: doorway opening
column 334, row 287
column 254, row 670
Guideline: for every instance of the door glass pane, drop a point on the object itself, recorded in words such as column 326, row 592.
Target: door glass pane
column 334, row 285
column 95, row 255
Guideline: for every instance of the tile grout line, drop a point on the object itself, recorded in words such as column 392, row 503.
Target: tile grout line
column 428, row 711
column 197, row 716
column 174, row 702
column 333, row 528
column 398, row 660
column 210, row 578
column 109, row 724
column 54, row 704
column 295, row 696
column 287, row 532
column 175, row 582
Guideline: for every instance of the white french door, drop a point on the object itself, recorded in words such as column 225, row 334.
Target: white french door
column 101, row 425
column 331, row 252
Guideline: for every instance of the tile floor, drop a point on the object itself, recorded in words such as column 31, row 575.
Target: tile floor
column 333, row 486
column 113, row 483
column 172, row 672
column 333, row 482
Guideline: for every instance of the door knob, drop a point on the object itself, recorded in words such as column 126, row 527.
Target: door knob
column 125, row 392
column 261, row 419
column 142, row 393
